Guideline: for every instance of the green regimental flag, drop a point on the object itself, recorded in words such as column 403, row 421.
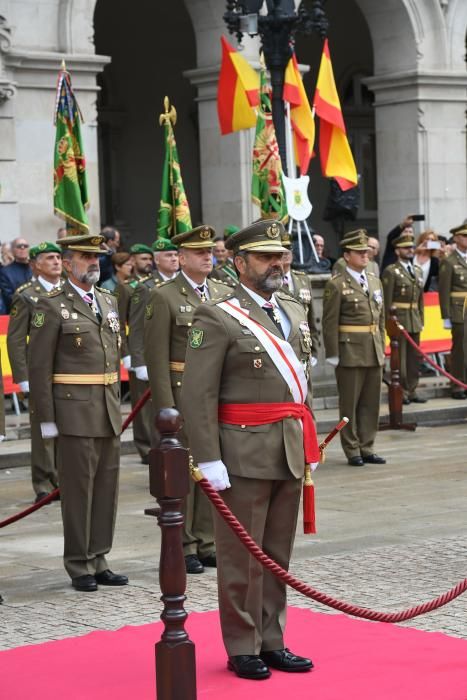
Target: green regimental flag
column 174, row 211
column 70, row 181
column 267, row 187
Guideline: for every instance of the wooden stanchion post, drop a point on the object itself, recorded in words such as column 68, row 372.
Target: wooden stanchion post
column 169, row 483
column 395, row 392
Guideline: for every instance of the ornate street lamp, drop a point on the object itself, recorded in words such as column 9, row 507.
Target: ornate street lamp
column 277, row 28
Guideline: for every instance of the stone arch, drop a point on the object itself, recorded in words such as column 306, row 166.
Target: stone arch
column 75, row 26
column 456, row 17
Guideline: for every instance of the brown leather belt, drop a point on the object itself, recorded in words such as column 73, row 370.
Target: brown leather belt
column 105, row 379
column 359, row 329
column 176, row 366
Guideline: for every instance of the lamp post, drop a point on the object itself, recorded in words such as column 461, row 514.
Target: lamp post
column 277, row 28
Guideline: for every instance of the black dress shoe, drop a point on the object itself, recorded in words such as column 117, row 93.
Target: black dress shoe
column 193, row 564
column 284, row 660
column 461, row 395
column 40, row 496
column 145, row 459
column 248, row 666
column 85, row 583
column 108, row 578
column 209, row 560
column 406, row 400
column 417, row 399
column 356, row 462
column 373, row 459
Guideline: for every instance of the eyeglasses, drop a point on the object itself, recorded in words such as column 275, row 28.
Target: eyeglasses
column 22, row 245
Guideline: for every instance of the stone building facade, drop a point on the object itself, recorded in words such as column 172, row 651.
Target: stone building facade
column 399, row 65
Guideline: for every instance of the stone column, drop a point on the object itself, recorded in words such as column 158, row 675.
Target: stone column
column 420, row 136
column 9, row 212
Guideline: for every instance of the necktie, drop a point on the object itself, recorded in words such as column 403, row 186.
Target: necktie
column 410, row 270
column 92, row 303
column 201, row 290
column 364, row 284
column 285, row 282
column 274, row 316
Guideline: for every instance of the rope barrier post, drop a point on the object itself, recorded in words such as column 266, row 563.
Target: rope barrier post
column 395, row 392
column 169, row 483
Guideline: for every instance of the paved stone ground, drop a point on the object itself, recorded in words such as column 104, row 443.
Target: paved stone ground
column 389, row 537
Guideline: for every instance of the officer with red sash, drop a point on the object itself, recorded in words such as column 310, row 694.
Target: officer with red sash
column 251, row 432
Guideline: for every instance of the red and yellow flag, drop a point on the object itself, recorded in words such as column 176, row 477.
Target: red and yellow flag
column 336, row 157
column 237, row 91
column 303, row 123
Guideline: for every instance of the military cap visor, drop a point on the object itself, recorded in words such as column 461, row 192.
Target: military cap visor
column 82, row 243
column 264, row 236
column 355, row 240
column 163, row 244
column 199, row 237
column 44, row 247
column 459, row 230
column 140, row 248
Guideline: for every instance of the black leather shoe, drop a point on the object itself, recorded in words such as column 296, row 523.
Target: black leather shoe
column 40, row 496
column 108, row 578
column 461, row 395
column 406, row 400
column 85, row 583
column 356, row 462
column 373, row 459
column 209, row 560
column 145, row 459
column 193, row 564
column 417, row 399
column 248, row 666
column 284, row 660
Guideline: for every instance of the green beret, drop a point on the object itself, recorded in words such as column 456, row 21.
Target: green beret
column 44, row 247
column 229, row 230
column 161, row 244
column 138, row 248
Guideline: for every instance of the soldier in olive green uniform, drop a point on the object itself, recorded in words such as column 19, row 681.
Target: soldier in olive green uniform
column 258, row 468
column 225, row 272
column 47, row 257
column 403, row 288
column 452, row 284
column 353, row 334
column 74, row 360
column 169, row 316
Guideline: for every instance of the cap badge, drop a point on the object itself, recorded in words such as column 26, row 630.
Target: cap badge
column 159, row 245
column 205, row 233
column 41, row 246
column 273, row 231
column 95, row 241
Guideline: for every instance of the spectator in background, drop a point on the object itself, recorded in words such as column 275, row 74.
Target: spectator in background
column 16, row 273
column 122, row 270
column 324, row 264
column 220, row 252
column 61, row 233
column 373, row 255
column 7, row 255
column 405, row 228
column 109, row 246
column 427, row 257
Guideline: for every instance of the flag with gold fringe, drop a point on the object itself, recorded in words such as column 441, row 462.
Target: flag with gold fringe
column 70, row 181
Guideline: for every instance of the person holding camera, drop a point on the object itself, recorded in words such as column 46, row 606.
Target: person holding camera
column 427, row 259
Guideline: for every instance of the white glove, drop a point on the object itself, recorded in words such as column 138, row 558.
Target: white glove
column 2, row 437
column 333, row 361
column 24, row 386
column 216, row 473
column 314, row 465
column 447, row 323
column 126, row 361
column 49, row 430
column 313, row 361
column 142, row 373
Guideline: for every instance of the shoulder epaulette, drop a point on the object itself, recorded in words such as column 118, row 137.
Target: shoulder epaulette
column 299, row 272
column 371, row 273
column 24, row 286
column 54, row 292
column 336, row 275
column 286, row 295
column 226, row 296
column 104, row 291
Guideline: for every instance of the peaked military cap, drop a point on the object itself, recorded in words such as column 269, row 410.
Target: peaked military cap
column 355, row 240
column 405, row 240
column 264, row 236
column 161, row 244
column 459, row 230
column 44, row 247
column 139, row 248
column 199, row 237
column 82, row 242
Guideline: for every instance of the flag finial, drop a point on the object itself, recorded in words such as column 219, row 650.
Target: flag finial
column 170, row 113
column 63, row 66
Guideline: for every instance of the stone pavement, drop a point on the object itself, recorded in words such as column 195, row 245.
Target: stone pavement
column 389, row 537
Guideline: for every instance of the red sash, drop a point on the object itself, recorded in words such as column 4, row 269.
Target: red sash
column 263, row 413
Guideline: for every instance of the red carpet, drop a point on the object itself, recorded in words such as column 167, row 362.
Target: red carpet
column 354, row 660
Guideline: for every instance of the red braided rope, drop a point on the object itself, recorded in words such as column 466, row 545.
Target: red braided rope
column 428, row 359
column 312, row 593
column 55, row 493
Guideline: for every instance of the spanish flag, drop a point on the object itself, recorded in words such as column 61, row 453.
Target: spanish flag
column 237, row 91
column 303, row 123
column 336, row 157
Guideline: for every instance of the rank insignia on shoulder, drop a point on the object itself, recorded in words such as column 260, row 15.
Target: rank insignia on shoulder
column 196, row 338
column 38, row 319
column 149, row 311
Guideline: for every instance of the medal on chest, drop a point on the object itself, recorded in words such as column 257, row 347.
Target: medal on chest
column 113, row 321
